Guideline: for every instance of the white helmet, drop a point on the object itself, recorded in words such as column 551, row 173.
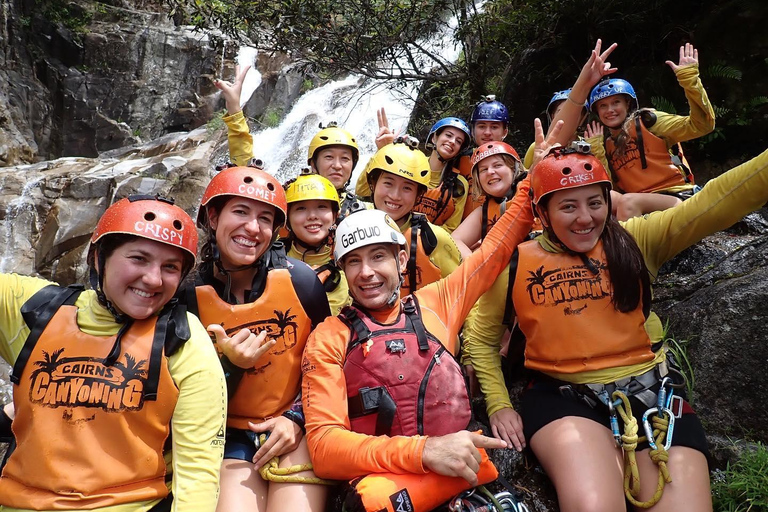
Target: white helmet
column 365, row 227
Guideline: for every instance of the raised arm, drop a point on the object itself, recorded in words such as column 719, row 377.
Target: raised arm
column 596, row 67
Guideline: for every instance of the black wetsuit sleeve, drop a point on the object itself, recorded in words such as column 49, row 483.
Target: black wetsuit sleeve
column 310, row 291
column 6, row 434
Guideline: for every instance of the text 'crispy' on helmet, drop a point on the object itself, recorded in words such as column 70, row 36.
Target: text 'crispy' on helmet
column 247, row 182
column 453, row 122
column 151, row 217
column 489, row 110
column 612, row 87
column 332, row 135
column 492, row 148
column 365, row 227
column 307, row 187
column 403, row 159
column 566, row 168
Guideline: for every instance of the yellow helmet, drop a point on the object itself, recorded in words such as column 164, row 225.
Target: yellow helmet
column 332, row 135
column 311, row 186
column 402, row 158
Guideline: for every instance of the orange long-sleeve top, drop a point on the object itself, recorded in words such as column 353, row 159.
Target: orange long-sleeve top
column 336, row 451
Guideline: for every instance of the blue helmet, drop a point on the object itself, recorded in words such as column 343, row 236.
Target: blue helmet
column 489, row 110
column 445, row 122
column 612, row 87
column 558, row 96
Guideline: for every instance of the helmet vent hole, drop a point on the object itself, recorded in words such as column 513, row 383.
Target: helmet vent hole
column 149, row 216
column 177, row 224
column 588, row 167
column 354, row 140
column 248, row 179
column 566, row 171
column 271, row 187
column 324, row 137
column 388, row 159
column 425, row 173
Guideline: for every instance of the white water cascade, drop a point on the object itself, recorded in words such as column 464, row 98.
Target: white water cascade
column 352, row 102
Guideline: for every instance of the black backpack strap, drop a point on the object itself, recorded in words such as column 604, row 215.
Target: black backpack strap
column 412, row 313
column 37, row 312
column 640, row 145
column 334, row 278
column 415, row 228
column 509, row 307
column 362, row 333
column 484, row 225
column 428, row 238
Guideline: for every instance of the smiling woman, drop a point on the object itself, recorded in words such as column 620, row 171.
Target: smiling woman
column 121, row 358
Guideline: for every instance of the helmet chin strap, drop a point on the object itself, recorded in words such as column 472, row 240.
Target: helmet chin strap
column 395, row 297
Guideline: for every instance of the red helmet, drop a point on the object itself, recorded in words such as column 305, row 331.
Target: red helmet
column 565, row 168
column 153, row 218
column 493, row 148
column 247, row 182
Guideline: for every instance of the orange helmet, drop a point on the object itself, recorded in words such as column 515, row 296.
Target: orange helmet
column 150, row 217
column 247, row 182
column 493, row 148
column 565, row 168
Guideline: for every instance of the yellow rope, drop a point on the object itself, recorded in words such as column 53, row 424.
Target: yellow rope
column 659, row 456
column 273, row 473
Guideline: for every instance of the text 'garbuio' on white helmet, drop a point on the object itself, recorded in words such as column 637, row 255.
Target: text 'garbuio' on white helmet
column 365, row 227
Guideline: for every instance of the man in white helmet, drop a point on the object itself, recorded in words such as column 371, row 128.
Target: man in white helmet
column 381, row 390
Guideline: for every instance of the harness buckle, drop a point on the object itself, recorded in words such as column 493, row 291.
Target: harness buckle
column 675, row 404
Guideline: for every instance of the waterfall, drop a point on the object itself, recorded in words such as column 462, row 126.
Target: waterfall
column 16, row 235
column 352, row 102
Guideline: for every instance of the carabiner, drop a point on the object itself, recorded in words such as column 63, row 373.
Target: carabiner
column 614, row 423
column 649, row 429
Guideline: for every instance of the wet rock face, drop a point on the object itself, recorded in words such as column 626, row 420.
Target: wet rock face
column 49, row 210
column 714, row 296
column 123, row 75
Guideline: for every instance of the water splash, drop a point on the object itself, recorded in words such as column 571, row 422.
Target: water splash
column 20, row 216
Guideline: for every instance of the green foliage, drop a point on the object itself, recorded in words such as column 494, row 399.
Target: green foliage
column 721, row 70
column 375, row 38
column 743, row 486
column 71, row 15
column 663, row 104
column 272, row 117
column 216, row 122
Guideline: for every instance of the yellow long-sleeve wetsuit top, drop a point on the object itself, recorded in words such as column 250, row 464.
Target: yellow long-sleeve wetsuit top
column 198, row 418
column 446, row 255
column 660, row 236
column 337, row 298
column 239, row 138
column 673, row 128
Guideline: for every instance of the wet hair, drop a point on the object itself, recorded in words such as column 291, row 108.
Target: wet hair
column 627, row 270
column 517, row 170
column 621, row 140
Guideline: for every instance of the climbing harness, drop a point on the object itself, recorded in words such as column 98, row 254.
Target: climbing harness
column 273, row 473
column 480, row 499
column 658, row 423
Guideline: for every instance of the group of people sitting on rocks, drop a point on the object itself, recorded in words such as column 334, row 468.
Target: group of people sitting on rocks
column 321, row 335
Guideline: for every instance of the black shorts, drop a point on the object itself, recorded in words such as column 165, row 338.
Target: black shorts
column 240, row 444
column 542, row 404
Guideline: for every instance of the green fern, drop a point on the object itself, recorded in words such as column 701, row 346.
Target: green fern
column 722, row 111
column 663, row 104
column 757, row 101
column 723, row 71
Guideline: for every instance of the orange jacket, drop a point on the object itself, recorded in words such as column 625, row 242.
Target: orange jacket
column 268, row 389
column 438, row 204
column 651, row 171
column 566, row 314
column 78, row 410
column 340, row 453
column 465, row 169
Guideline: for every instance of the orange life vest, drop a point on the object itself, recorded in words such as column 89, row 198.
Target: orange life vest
column 90, row 434
column 646, row 164
column 566, row 313
column 493, row 209
column 268, row 389
column 465, row 169
column 421, row 242
column 439, row 203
